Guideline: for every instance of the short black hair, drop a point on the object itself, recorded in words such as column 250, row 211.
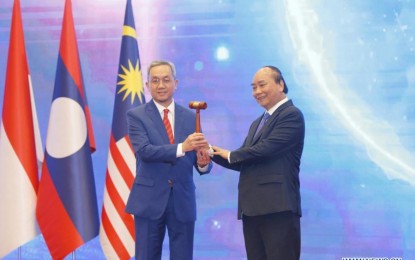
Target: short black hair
column 278, row 76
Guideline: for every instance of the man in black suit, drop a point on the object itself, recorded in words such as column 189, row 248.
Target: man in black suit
column 269, row 201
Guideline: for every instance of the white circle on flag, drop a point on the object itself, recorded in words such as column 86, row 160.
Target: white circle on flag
column 67, row 131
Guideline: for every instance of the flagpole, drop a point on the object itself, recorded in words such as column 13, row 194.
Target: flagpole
column 73, row 255
column 19, row 252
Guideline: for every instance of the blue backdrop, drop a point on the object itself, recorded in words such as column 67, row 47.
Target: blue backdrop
column 349, row 65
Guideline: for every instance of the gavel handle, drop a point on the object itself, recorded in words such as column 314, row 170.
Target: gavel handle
column 197, row 120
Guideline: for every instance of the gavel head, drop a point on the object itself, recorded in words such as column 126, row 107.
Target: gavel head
column 197, row 105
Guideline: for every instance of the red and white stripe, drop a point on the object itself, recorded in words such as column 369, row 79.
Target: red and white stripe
column 20, row 147
column 19, row 179
column 117, row 233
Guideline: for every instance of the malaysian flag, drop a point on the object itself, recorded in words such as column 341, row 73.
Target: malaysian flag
column 67, row 209
column 117, row 234
column 20, row 147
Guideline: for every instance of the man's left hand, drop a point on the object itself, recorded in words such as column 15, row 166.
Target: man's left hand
column 203, row 157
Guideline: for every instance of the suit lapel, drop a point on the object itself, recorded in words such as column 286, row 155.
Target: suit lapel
column 178, row 122
column 269, row 122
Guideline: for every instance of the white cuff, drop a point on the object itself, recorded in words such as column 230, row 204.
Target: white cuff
column 179, row 152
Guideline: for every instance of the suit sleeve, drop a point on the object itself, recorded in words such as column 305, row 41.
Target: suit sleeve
column 285, row 133
column 224, row 162
column 138, row 132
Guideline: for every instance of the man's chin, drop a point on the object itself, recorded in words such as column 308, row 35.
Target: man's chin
column 162, row 100
column 262, row 103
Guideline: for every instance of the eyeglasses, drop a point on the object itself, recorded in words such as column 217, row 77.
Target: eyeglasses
column 156, row 81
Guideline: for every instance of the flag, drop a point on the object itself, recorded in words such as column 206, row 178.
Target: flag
column 67, row 210
column 20, row 147
column 117, row 233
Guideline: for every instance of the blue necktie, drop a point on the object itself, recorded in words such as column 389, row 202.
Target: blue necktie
column 261, row 124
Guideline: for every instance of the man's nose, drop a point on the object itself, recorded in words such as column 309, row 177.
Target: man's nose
column 162, row 84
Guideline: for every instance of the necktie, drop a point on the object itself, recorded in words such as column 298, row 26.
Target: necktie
column 261, row 124
column 166, row 123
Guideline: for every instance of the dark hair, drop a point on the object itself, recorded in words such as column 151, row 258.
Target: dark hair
column 278, row 76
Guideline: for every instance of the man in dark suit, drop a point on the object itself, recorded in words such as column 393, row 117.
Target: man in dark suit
column 167, row 148
column 269, row 201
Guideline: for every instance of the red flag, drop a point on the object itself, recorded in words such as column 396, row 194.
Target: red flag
column 117, row 234
column 67, row 207
column 19, row 141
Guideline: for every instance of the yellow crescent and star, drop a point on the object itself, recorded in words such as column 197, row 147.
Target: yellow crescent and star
column 132, row 83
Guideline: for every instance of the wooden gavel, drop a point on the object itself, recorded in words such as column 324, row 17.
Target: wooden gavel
column 197, row 105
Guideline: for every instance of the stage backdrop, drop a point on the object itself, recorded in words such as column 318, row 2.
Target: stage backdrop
column 349, row 65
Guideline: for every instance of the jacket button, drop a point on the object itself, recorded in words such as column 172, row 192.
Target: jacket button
column 170, row 183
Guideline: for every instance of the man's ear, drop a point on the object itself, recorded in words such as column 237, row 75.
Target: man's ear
column 281, row 86
column 177, row 83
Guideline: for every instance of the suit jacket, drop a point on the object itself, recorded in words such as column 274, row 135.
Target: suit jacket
column 157, row 164
column 269, row 164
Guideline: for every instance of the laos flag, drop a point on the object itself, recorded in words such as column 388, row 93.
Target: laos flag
column 67, row 210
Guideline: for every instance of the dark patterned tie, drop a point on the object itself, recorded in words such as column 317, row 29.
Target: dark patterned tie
column 166, row 123
column 261, row 124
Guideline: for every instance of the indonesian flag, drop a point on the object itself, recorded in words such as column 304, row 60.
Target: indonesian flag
column 20, row 147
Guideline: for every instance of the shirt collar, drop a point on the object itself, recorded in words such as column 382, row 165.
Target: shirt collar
column 161, row 108
column 276, row 106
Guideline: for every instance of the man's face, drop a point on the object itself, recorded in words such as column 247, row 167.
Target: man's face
column 162, row 84
column 265, row 90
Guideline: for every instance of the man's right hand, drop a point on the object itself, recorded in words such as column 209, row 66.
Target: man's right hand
column 221, row 152
column 194, row 141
